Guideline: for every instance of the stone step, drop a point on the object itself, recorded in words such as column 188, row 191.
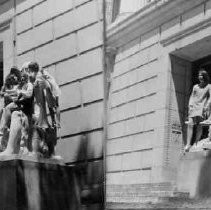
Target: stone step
column 141, row 194
column 152, row 200
column 192, row 204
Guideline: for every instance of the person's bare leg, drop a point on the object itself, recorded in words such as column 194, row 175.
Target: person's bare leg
column 198, row 133
column 15, row 134
column 189, row 135
column 6, row 116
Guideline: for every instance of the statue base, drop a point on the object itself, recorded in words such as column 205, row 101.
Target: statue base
column 28, row 183
column 194, row 174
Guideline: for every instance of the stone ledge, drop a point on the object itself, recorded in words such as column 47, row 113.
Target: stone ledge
column 36, row 184
column 31, row 158
column 194, row 174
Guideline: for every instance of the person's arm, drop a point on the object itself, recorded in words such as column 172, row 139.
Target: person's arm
column 208, row 103
column 192, row 95
column 2, row 92
column 28, row 92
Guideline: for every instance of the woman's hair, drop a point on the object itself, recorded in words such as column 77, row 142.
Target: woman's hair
column 10, row 81
column 24, row 79
column 205, row 75
column 15, row 71
column 33, row 67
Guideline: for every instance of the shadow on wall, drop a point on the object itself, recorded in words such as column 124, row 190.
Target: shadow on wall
column 89, row 176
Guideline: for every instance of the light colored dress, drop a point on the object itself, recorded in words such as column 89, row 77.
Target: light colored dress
column 198, row 100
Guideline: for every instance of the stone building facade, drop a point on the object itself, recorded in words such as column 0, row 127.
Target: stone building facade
column 66, row 38
column 154, row 55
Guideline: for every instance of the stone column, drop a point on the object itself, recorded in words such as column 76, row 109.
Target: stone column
column 110, row 55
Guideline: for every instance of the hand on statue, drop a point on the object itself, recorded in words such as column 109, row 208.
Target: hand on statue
column 41, row 83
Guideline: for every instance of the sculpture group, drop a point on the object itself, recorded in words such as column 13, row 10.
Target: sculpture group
column 199, row 110
column 30, row 115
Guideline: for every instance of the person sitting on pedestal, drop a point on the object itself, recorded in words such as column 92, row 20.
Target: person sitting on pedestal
column 22, row 100
column 199, row 99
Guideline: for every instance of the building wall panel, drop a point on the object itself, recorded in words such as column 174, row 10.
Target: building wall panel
column 24, row 21
column 92, row 89
column 35, row 37
column 82, row 119
column 84, row 18
column 56, row 51
column 71, row 96
column 23, row 5
column 87, row 64
column 87, row 39
column 66, row 38
column 64, row 24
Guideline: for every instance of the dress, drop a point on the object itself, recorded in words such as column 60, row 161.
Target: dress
column 198, row 100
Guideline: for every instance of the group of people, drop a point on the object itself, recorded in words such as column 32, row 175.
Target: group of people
column 199, row 109
column 29, row 98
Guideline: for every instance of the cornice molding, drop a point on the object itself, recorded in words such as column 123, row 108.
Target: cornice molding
column 146, row 19
column 186, row 32
column 4, row 25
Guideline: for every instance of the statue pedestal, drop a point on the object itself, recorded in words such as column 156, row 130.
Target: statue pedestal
column 194, row 174
column 30, row 184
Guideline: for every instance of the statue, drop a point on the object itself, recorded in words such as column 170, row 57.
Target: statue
column 199, row 109
column 30, row 131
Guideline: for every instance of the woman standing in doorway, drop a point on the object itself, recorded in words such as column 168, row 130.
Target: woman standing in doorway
column 199, row 104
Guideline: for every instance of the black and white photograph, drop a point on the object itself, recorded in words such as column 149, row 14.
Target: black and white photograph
column 105, row 104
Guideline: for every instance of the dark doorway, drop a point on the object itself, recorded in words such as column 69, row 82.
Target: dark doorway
column 204, row 63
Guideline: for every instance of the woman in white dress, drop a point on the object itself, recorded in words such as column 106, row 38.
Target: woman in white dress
column 199, row 104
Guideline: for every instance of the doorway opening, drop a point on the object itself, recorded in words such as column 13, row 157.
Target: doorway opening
column 203, row 63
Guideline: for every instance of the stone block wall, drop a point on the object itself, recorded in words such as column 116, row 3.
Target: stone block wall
column 148, row 105
column 66, row 38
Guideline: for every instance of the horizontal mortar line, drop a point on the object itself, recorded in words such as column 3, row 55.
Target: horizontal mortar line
column 81, row 79
column 130, row 152
column 72, row 56
column 67, row 58
column 52, row 40
column 133, row 100
column 138, row 169
column 79, row 106
column 134, row 84
column 141, row 41
column 24, row 31
column 132, row 134
column 84, row 161
column 90, row 49
column 76, row 30
column 132, row 117
column 119, row 50
column 137, row 51
column 81, row 133
column 31, row 7
column 135, row 68
column 2, row 28
column 71, row 108
column 53, row 18
column 34, row 48
column 82, row 4
column 93, row 102
column 3, row 2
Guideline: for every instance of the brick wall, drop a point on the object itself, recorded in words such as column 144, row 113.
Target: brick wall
column 66, row 38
